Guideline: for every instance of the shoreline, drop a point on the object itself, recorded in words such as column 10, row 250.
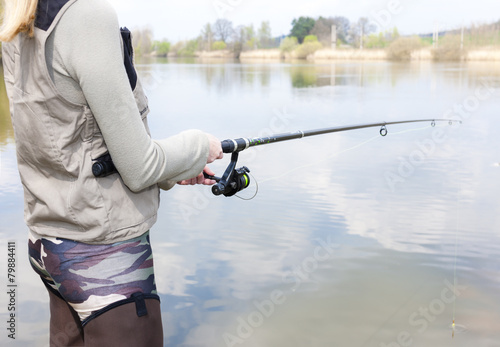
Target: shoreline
column 275, row 55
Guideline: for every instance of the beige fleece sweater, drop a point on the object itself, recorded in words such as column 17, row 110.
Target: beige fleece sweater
column 85, row 60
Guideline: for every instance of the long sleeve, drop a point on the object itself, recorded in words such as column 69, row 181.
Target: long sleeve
column 87, row 46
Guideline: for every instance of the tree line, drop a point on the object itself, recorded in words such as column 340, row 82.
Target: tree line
column 306, row 34
column 222, row 35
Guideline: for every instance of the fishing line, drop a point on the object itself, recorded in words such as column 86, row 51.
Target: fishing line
column 256, row 190
column 344, row 151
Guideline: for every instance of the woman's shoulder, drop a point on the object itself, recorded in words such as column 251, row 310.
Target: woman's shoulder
column 91, row 14
column 87, row 29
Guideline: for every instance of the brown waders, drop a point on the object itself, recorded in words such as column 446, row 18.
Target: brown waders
column 137, row 323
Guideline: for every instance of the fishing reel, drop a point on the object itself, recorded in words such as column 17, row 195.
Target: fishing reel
column 233, row 181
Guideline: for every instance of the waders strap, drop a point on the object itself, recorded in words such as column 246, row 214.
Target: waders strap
column 140, row 305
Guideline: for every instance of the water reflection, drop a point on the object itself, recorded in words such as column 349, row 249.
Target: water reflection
column 392, row 250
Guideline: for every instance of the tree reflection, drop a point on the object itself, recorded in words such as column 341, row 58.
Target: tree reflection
column 304, row 76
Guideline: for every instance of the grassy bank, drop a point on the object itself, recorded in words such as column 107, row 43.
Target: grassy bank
column 214, row 54
column 479, row 54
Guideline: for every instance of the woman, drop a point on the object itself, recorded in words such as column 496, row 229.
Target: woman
column 75, row 99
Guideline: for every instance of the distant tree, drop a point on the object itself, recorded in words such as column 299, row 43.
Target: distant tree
column 207, row 36
column 177, row 47
column 142, row 40
column 249, row 32
column 239, row 39
column 402, row 48
column 161, row 47
column 309, row 46
column 323, row 30
column 265, row 39
column 302, row 27
column 395, row 33
column 382, row 39
column 289, row 44
column 245, row 35
column 362, row 28
column 250, row 38
column 310, row 38
column 243, row 39
column 187, row 48
column 219, row 45
column 365, row 24
column 343, row 27
column 376, row 41
column 223, row 29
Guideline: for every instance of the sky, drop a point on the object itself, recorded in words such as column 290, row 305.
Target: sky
column 181, row 20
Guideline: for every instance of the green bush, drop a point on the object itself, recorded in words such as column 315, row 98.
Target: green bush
column 402, row 48
column 185, row 48
column 251, row 44
column 289, row 44
column 307, row 48
column 161, row 47
column 219, row 45
column 310, row 38
column 376, row 41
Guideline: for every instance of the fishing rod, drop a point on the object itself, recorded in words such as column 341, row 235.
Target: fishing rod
column 234, row 180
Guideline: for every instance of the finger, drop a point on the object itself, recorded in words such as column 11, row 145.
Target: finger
column 200, row 179
column 208, row 182
column 208, row 171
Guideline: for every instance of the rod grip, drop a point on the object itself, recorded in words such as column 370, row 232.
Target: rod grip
column 236, row 145
column 227, row 146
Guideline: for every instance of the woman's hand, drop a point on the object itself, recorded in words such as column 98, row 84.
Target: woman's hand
column 200, row 179
column 214, row 154
column 215, row 149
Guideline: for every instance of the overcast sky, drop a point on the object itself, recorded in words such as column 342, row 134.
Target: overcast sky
column 179, row 20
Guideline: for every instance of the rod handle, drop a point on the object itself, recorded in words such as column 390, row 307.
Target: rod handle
column 227, row 146
column 236, row 145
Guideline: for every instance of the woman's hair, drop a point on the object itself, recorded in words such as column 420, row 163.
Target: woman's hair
column 18, row 17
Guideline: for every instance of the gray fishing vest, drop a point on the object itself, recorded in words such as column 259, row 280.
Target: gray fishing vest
column 57, row 143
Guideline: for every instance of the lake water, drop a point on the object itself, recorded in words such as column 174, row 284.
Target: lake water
column 353, row 239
